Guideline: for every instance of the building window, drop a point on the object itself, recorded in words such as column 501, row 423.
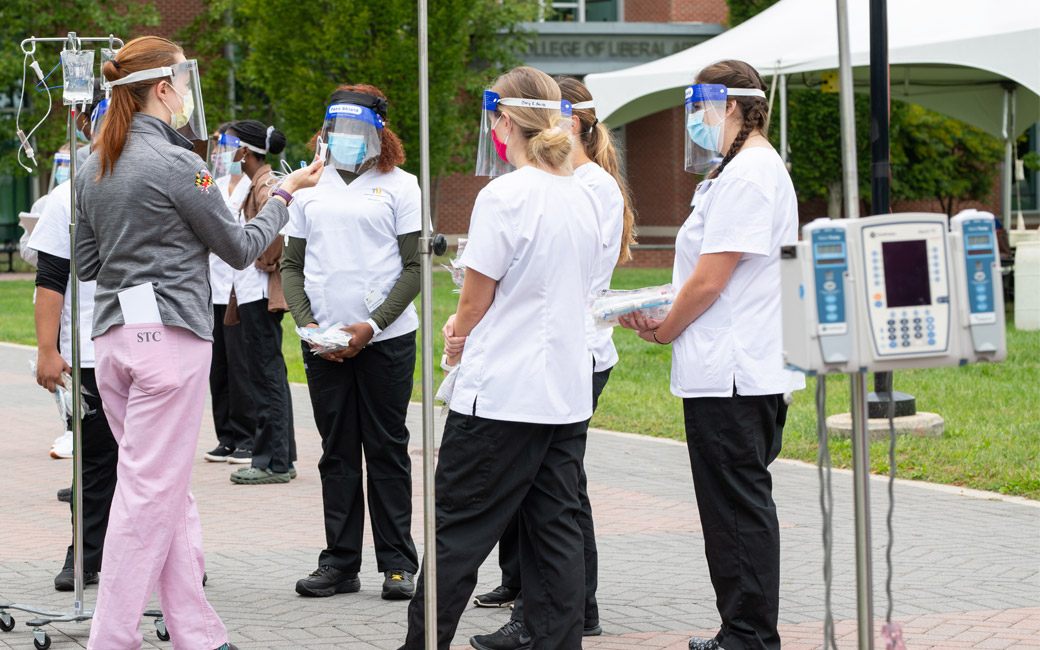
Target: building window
column 580, row 11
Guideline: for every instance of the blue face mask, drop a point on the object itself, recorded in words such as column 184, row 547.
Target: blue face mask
column 81, row 135
column 703, row 135
column 61, row 174
column 231, row 166
column 235, row 168
column 347, row 149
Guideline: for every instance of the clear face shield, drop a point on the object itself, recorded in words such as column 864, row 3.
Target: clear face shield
column 350, row 137
column 224, row 154
column 705, row 123
column 491, row 152
column 185, row 103
column 61, row 169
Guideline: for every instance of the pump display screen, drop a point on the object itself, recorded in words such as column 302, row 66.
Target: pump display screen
column 906, row 273
column 829, row 249
column 976, row 240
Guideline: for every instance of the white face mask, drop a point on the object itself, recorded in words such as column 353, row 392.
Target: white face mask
column 179, row 118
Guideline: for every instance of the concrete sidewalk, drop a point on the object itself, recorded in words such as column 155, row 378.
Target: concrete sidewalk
column 967, row 565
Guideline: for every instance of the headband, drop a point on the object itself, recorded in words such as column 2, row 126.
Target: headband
column 377, row 104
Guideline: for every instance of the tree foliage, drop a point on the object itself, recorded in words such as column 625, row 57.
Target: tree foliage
column 291, row 55
column 934, row 156
column 20, row 19
column 741, row 10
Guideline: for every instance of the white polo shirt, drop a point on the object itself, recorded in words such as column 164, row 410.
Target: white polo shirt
column 527, row 360
column 611, row 226
column 51, row 236
column 352, row 250
column 750, row 208
column 221, row 275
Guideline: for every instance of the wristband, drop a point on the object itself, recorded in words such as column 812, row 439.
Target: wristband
column 658, row 340
column 282, row 193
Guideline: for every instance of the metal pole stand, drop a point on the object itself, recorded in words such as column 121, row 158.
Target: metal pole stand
column 860, row 441
column 41, row 640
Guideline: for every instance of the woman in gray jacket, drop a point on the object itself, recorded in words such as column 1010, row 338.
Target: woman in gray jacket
column 148, row 216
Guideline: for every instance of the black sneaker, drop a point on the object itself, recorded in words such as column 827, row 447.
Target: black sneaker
column 228, row 646
column 398, row 585
column 65, row 495
column 704, row 644
column 326, row 581
column 219, row 454
column 500, row 596
column 240, row 457
column 592, row 627
column 511, row 636
column 66, row 581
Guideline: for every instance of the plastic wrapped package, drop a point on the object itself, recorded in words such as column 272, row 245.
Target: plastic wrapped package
column 324, row 341
column 63, row 395
column 457, row 270
column 609, row 305
column 447, row 387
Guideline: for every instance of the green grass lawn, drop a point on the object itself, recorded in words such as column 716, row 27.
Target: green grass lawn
column 992, row 411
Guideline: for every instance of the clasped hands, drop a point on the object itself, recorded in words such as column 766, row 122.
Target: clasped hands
column 360, row 336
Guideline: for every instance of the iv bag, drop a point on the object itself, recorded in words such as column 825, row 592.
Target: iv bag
column 78, row 69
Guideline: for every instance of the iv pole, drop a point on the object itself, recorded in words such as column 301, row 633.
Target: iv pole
column 429, row 247
column 41, row 640
column 858, row 380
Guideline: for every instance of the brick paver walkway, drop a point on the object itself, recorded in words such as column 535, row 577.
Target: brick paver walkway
column 967, row 565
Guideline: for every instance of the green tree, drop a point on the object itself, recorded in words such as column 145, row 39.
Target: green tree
column 934, row 156
column 291, row 55
column 20, row 19
column 741, row 10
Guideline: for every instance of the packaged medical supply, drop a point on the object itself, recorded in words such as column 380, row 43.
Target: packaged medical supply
column 63, row 395
column 608, row 305
column 324, row 341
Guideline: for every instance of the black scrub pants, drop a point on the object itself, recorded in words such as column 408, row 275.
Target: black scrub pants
column 230, row 385
column 487, row 471
column 732, row 441
column 274, row 442
column 588, row 533
column 100, row 455
column 360, row 405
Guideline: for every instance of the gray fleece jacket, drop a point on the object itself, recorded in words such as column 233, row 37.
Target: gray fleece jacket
column 154, row 219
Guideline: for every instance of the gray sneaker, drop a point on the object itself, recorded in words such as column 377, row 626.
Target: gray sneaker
column 240, row 457
column 257, row 476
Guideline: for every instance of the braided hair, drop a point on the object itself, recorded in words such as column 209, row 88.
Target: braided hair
column 737, row 74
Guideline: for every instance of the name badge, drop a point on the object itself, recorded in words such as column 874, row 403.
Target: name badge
column 373, row 299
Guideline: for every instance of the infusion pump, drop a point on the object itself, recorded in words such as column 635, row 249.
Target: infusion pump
column 912, row 290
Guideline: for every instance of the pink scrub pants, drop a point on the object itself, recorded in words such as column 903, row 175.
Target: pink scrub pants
column 153, row 380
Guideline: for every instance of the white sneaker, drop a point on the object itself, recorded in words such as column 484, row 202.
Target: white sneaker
column 61, row 438
column 62, row 446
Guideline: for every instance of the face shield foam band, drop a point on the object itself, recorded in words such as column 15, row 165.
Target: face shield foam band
column 355, row 112
column 235, row 143
column 61, row 158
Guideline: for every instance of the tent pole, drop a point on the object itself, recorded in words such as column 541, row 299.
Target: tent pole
column 426, row 305
column 1007, row 178
column 858, row 380
column 783, row 121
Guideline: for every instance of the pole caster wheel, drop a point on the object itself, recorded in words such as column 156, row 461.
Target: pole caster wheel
column 6, row 622
column 161, row 631
column 41, row 640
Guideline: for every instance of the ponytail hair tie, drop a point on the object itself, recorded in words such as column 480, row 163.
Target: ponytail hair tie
column 115, row 64
column 267, row 139
column 592, row 128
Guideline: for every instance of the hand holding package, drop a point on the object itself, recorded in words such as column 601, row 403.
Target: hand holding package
column 608, row 305
column 324, row 341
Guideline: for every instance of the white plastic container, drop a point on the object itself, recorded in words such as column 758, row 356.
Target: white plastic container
column 1027, row 285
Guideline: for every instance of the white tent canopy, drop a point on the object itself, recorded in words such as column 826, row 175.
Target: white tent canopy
column 952, row 56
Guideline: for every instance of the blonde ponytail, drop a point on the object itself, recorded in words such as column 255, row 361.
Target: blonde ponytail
column 599, row 146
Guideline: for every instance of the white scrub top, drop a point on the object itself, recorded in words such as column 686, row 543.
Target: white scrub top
column 750, row 208
column 527, row 360
column 51, row 236
column 611, row 226
column 352, row 250
column 221, row 275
